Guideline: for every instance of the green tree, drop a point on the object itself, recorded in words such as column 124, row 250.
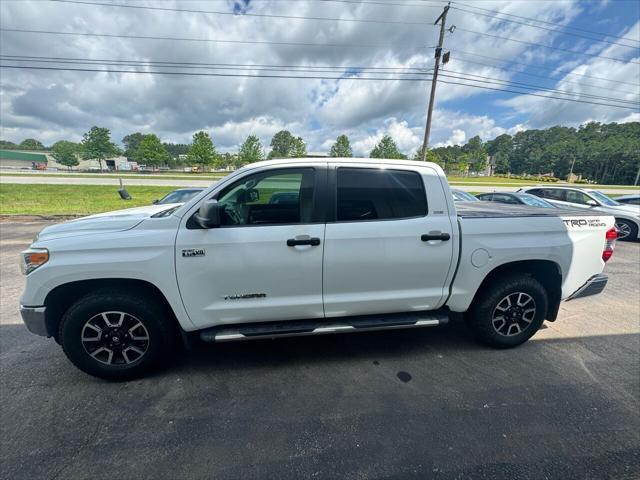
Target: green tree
column 7, row 145
column 500, row 149
column 31, row 144
column 342, row 147
column 97, row 145
column 202, row 151
column 299, row 148
column 285, row 145
column 431, row 156
column 176, row 149
column 387, row 148
column 66, row 153
column 250, row 151
column 226, row 160
column 131, row 143
column 475, row 154
column 150, row 151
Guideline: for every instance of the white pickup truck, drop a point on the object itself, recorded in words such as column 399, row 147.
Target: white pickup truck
column 305, row 247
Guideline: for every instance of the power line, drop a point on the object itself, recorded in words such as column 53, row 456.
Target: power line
column 209, row 74
column 252, row 67
column 564, row 32
column 546, row 77
column 504, row 60
column 528, row 86
column 259, row 65
column 183, row 39
column 536, row 95
column 282, row 68
column 496, row 12
column 575, row 52
column 239, row 15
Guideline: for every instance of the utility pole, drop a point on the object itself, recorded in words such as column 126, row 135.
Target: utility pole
column 442, row 18
column 573, row 162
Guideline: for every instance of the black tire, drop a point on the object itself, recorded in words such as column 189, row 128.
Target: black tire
column 489, row 306
column 629, row 228
column 157, row 327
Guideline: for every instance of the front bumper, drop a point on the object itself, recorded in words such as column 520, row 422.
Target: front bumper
column 593, row 286
column 34, row 319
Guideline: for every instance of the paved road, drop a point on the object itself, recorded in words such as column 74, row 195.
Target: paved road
column 413, row 404
column 187, row 182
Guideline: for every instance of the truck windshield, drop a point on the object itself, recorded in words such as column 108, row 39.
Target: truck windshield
column 603, row 199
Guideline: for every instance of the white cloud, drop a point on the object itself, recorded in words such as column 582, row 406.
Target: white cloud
column 52, row 105
column 585, row 78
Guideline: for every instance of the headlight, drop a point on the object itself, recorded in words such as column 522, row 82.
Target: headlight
column 32, row 258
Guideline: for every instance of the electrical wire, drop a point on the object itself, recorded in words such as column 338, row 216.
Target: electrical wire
column 563, row 32
column 496, row 12
column 567, row 50
column 527, row 86
column 296, row 69
column 245, row 14
column 212, row 74
column 312, row 78
column 165, row 62
column 545, row 77
column 534, row 94
column 183, row 39
column 505, row 60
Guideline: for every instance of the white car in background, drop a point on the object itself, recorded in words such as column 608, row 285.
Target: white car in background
column 627, row 216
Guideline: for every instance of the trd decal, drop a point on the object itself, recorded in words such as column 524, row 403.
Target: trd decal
column 583, row 222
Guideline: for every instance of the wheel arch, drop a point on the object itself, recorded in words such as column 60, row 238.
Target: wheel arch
column 59, row 299
column 547, row 272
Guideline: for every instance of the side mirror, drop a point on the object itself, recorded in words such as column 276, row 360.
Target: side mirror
column 208, row 216
column 592, row 203
column 155, row 202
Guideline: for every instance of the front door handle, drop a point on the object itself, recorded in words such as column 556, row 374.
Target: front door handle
column 435, row 236
column 294, row 242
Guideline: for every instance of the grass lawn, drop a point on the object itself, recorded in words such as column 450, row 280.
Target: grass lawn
column 164, row 176
column 17, row 199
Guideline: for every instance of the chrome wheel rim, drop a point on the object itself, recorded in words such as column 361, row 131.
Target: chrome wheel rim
column 115, row 338
column 624, row 230
column 513, row 314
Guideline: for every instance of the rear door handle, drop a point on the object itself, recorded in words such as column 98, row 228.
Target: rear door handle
column 435, row 236
column 294, row 242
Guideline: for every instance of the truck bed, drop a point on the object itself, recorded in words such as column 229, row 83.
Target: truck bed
column 505, row 210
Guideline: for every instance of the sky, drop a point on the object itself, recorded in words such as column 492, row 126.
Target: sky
column 53, row 105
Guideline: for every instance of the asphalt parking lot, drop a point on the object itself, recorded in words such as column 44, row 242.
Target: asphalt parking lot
column 426, row 403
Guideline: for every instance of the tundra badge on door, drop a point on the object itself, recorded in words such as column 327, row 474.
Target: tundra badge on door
column 193, row 252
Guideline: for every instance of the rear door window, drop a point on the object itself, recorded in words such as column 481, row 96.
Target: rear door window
column 379, row 194
column 553, row 194
column 575, row 196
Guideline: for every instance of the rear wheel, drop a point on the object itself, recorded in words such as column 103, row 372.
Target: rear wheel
column 115, row 335
column 509, row 311
column 627, row 230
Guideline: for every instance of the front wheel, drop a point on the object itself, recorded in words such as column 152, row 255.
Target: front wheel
column 115, row 335
column 509, row 311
